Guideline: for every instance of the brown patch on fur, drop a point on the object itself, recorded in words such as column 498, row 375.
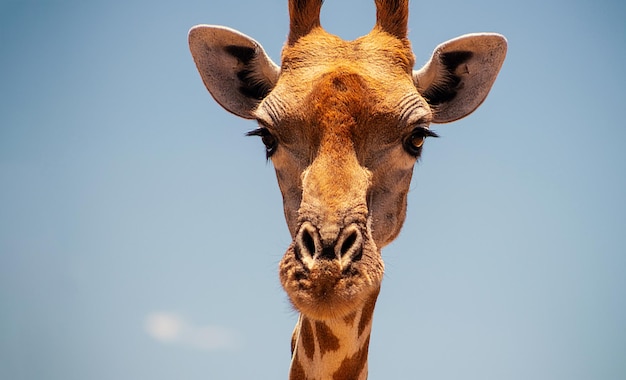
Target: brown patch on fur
column 293, row 340
column 349, row 319
column 351, row 367
column 368, row 312
column 325, row 337
column 307, row 338
column 339, row 85
column 297, row 372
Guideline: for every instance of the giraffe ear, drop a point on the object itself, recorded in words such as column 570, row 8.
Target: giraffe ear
column 234, row 67
column 460, row 74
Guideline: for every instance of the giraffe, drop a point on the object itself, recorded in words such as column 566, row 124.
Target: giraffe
column 343, row 123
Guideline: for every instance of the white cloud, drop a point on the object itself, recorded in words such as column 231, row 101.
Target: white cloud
column 164, row 327
column 171, row 328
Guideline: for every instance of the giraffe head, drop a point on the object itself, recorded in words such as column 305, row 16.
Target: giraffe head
column 343, row 122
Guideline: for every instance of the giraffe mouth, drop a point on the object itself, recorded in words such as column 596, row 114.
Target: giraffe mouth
column 329, row 287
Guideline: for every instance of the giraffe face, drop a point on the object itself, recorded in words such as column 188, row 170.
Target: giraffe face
column 343, row 123
column 343, row 126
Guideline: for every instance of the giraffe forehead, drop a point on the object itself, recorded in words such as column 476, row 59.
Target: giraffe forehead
column 376, row 50
column 325, row 77
column 341, row 97
column 380, row 59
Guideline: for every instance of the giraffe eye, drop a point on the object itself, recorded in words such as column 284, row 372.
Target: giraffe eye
column 268, row 139
column 413, row 144
column 270, row 144
column 417, row 141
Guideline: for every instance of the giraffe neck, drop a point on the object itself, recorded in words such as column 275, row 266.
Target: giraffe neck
column 332, row 348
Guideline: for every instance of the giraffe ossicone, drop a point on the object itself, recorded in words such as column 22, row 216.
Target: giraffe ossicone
column 343, row 123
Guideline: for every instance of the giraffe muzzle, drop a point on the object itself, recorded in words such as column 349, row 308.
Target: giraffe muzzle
column 331, row 267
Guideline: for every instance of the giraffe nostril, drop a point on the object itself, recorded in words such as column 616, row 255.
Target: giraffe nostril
column 305, row 244
column 351, row 248
column 348, row 243
column 308, row 242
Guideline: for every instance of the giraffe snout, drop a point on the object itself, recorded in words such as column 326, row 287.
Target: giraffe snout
column 330, row 267
column 314, row 244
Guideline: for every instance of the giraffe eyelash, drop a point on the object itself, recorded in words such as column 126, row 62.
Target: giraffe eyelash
column 270, row 142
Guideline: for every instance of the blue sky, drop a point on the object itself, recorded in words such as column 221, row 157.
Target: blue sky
column 140, row 231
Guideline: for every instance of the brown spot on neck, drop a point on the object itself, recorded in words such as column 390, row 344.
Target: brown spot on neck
column 297, row 372
column 294, row 340
column 352, row 367
column 349, row 319
column 326, row 338
column 367, row 313
column 307, row 338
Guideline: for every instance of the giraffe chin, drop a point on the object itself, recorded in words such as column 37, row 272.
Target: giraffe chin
column 328, row 291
